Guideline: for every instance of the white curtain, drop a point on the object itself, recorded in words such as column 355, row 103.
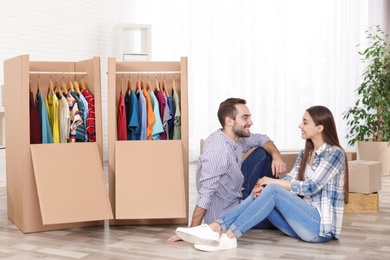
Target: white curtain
column 282, row 56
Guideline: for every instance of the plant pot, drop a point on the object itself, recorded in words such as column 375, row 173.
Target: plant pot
column 376, row 151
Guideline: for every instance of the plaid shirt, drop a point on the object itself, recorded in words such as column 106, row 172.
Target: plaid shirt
column 325, row 188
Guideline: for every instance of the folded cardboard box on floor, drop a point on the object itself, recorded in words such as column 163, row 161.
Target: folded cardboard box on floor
column 365, row 176
column 363, row 203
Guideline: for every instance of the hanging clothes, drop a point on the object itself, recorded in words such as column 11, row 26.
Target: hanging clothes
column 142, row 114
column 35, row 126
column 166, row 116
column 80, row 131
column 122, row 126
column 172, row 117
column 169, row 111
column 90, row 124
column 162, row 105
column 75, row 119
column 177, row 120
column 52, row 112
column 64, row 119
column 157, row 126
column 46, row 134
column 133, row 127
column 150, row 115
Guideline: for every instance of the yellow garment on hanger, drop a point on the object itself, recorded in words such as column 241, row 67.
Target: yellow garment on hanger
column 52, row 112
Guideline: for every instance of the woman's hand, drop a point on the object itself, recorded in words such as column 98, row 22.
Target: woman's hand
column 260, row 185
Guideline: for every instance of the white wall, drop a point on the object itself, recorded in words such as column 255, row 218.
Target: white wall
column 76, row 30
column 281, row 56
column 57, row 30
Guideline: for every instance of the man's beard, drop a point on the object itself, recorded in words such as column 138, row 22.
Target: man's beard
column 240, row 132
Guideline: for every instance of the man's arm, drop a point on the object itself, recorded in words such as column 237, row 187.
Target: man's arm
column 278, row 165
column 197, row 216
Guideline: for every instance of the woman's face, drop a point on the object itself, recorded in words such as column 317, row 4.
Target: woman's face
column 308, row 128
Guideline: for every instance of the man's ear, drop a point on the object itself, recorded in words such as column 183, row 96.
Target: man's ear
column 228, row 121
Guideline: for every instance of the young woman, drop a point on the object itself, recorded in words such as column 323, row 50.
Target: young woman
column 307, row 203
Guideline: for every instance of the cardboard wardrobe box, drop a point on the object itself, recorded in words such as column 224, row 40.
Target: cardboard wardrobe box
column 51, row 186
column 365, row 176
column 148, row 179
column 362, row 203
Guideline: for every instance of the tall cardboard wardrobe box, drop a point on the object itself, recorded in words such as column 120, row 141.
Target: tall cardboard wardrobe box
column 148, row 179
column 51, row 186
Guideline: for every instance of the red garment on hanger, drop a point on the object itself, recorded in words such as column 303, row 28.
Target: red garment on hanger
column 122, row 125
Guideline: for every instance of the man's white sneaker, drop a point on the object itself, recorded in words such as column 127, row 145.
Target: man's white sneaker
column 202, row 234
column 225, row 242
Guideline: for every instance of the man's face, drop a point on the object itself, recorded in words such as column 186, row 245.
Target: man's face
column 243, row 121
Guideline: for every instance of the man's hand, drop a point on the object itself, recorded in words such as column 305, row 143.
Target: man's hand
column 174, row 239
column 278, row 166
column 197, row 218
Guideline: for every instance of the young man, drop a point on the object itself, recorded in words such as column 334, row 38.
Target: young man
column 222, row 180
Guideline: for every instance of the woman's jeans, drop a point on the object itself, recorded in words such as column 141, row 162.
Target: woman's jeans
column 286, row 211
column 254, row 167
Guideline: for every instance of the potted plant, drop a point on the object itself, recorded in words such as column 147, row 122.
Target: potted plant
column 368, row 120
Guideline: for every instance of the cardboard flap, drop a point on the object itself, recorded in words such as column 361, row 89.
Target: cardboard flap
column 149, row 180
column 70, row 183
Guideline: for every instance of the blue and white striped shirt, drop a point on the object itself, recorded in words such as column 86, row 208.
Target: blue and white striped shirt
column 325, row 187
column 219, row 178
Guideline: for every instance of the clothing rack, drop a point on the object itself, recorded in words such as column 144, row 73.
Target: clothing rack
column 59, row 72
column 148, row 72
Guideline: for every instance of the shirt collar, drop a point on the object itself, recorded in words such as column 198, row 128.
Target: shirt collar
column 228, row 140
column 322, row 148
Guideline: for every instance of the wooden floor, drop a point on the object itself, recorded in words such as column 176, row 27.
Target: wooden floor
column 364, row 236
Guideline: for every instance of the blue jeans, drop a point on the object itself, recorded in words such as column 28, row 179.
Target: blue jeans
column 286, row 211
column 254, row 167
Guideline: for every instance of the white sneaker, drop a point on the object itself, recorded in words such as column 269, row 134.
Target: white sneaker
column 225, row 242
column 202, row 234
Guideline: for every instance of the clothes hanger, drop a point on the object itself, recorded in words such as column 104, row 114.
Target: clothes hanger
column 64, row 90
column 38, row 84
column 57, row 88
column 174, row 83
column 76, row 87
column 128, row 86
column 56, row 85
column 137, row 87
column 82, row 85
column 51, row 90
column 70, row 86
column 165, row 89
column 148, row 86
column 122, row 85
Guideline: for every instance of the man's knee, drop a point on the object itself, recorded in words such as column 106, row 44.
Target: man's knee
column 257, row 164
column 259, row 157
